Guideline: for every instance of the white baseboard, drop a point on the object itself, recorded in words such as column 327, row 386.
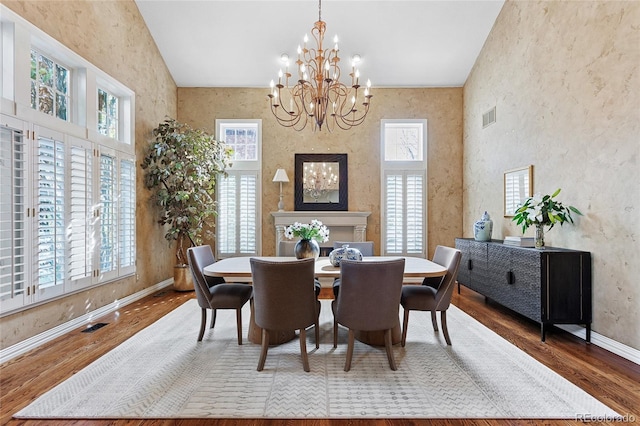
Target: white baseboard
column 604, row 342
column 44, row 337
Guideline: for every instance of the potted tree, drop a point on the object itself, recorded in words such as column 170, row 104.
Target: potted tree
column 181, row 166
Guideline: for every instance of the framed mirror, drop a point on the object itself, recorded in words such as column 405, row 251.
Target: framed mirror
column 321, row 182
column 518, row 186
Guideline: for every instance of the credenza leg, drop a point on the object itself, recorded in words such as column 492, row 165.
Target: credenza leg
column 542, row 332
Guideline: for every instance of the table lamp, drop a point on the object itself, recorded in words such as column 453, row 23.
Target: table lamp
column 281, row 176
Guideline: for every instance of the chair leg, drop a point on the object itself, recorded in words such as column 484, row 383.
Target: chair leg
column 265, row 348
column 203, row 323
column 443, row 320
column 389, row 348
column 239, row 324
column 335, row 324
column 347, row 363
column 303, row 349
column 434, row 321
column 317, row 327
column 405, row 324
column 213, row 318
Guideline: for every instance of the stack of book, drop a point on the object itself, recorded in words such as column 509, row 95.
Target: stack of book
column 519, row 241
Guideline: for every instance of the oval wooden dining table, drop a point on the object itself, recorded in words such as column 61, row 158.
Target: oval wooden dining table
column 240, row 267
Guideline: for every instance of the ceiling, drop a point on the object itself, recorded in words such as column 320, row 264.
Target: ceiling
column 416, row 43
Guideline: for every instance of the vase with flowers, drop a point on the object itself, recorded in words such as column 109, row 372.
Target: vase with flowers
column 543, row 211
column 309, row 234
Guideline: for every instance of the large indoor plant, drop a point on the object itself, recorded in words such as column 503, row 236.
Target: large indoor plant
column 543, row 211
column 181, row 166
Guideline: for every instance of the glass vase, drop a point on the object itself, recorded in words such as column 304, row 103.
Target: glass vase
column 539, row 238
column 307, row 248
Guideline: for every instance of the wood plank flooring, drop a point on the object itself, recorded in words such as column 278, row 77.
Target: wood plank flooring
column 608, row 377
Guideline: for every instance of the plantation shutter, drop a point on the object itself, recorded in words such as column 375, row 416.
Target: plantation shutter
column 82, row 239
column 108, row 219
column 50, row 268
column 404, row 219
column 127, row 216
column 237, row 221
column 13, row 180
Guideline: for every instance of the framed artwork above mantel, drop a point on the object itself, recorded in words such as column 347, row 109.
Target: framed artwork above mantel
column 321, row 182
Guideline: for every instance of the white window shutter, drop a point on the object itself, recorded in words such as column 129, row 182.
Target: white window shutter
column 13, row 221
column 237, row 221
column 127, row 217
column 81, row 232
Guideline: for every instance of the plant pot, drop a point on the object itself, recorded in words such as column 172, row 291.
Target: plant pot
column 182, row 278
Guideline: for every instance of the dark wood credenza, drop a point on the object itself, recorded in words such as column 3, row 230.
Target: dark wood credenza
column 550, row 285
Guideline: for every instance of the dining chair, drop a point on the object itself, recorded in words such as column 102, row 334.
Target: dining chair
column 213, row 292
column 369, row 300
column 366, row 248
column 286, row 248
column 284, row 299
column 428, row 297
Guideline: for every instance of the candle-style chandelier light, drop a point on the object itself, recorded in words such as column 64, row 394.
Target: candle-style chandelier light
column 319, row 96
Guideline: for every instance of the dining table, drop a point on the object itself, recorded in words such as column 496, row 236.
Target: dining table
column 240, row 268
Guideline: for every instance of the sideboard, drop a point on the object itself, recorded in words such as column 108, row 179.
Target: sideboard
column 550, row 285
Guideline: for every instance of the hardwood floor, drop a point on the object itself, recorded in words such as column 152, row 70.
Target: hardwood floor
column 611, row 379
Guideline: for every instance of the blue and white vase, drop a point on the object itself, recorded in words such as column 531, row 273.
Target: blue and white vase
column 482, row 228
column 344, row 252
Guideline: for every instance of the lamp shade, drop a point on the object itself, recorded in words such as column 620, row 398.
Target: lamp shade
column 281, row 176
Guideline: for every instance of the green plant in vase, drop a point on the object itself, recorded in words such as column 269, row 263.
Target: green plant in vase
column 543, row 211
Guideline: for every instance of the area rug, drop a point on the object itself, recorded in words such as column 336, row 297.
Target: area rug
column 162, row 372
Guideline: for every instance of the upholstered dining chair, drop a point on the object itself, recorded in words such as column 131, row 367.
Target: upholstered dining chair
column 429, row 297
column 213, row 292
column 286, row 248
column 284, row 299
column 366, row 248
column 369, row 300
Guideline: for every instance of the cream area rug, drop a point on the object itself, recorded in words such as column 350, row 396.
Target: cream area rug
column 162, row 372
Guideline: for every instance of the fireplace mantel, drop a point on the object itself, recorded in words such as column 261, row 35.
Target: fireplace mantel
column 343, row 225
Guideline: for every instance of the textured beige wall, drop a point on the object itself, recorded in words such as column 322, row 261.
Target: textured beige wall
column 441, row 107
column 111, row 35
column 565, row 80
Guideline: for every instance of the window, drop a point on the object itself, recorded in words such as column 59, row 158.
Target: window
column 242, row 136
column 238, row 231
column 404, row 187
column 49, row 86
column 108, row 112
column 67, row 199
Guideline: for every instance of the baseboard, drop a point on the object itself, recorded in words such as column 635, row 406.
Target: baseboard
column 604, row 342
column 44, row 337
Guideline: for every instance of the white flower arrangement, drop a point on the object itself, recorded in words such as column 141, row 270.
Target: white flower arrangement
column 307, row 231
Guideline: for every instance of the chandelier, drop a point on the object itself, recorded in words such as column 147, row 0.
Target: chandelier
column 319, row 96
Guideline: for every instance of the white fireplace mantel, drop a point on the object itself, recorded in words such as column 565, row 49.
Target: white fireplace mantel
column 343, row 225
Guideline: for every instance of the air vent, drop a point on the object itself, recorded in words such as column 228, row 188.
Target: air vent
column 94, row 327
column 489, row 117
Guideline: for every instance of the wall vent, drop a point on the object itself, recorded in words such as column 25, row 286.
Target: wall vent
column 489, row 117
